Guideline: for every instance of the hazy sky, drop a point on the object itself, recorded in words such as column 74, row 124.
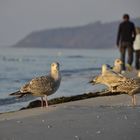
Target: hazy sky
column 19, row 17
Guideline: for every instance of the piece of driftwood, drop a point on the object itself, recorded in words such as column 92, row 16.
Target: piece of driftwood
column 37, row 103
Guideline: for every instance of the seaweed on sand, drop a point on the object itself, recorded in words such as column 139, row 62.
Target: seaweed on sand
column 37, row 103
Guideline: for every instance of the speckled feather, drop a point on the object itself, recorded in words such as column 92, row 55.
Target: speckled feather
column 44, row 85
column 130, row 86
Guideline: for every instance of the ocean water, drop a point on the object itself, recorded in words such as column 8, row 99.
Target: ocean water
column 19, row 65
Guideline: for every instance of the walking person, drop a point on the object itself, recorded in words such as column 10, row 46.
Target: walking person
column 125, row 38
column 137, row 48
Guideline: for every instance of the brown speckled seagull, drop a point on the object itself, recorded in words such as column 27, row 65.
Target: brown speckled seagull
column 130, row 87
column 42, row 86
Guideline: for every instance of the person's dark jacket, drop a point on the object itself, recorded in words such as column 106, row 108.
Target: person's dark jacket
column 126, row 32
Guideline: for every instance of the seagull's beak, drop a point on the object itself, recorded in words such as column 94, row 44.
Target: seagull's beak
column 121, row 62
column 108, row 66
column 91, row 81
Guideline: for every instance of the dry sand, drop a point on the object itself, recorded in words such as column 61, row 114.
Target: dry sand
column 101, row 118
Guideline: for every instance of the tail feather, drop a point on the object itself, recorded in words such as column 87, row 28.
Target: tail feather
column 15, row 93
column 19, row 94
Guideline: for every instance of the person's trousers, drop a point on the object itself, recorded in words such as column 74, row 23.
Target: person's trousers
column 126, row 46
column 137, row 59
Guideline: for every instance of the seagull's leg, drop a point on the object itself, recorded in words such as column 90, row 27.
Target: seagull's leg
column 41, row 102
column 134, row 99
column 46, row 100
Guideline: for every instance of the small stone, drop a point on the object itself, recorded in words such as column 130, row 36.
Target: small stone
column 125, row 117
column 19, row 121
column 97, row 117
column 43, row 121
column 49, row 126
column 98, row 132
column 77, row 137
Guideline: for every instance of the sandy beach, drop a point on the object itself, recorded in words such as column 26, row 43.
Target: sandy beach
column 104, row 118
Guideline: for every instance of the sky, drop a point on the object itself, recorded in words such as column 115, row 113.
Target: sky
column 18, row 18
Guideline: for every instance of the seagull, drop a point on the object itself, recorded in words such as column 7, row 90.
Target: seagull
column 130, row 71
column 108, row 78
column 109, row 81
column 112, row 75
column 130, row 87
column 117, row 65
column 42, row 86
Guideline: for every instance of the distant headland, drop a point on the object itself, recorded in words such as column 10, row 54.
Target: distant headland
column 95, row 35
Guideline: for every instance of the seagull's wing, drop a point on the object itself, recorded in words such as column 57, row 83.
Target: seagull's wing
column 39, row 85
column 114, row 75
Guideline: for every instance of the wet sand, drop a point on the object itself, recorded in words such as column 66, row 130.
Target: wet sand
column 105, row 118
